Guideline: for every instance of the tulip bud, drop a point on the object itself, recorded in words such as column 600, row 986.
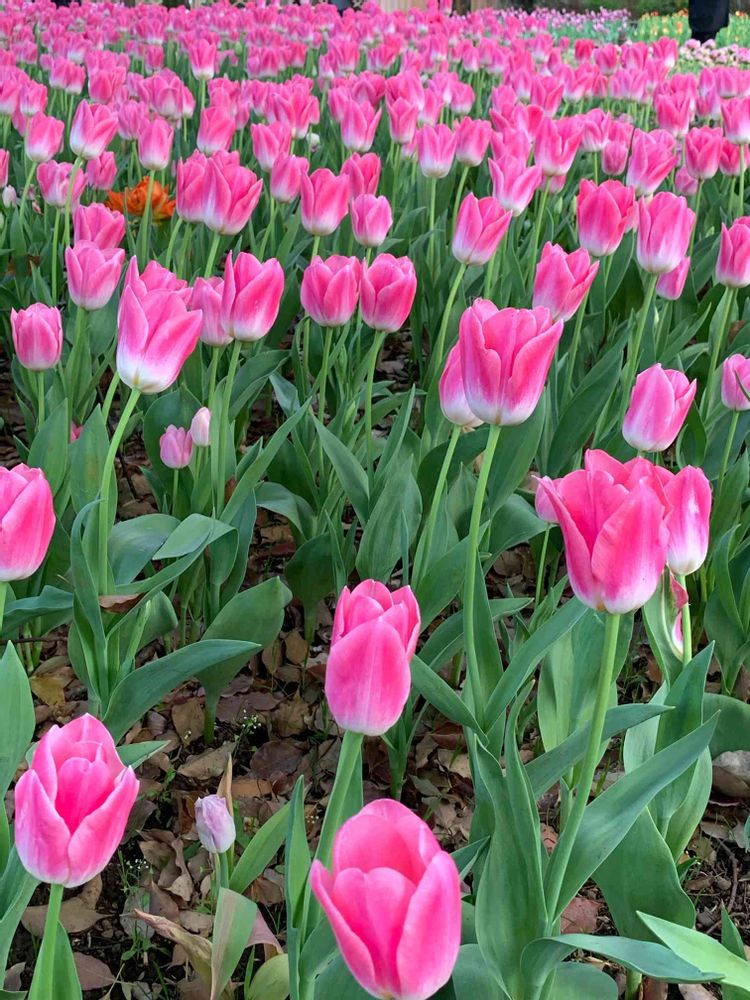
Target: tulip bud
column 371, row 219
column 388, row 288
column 735, row 383
column 480, row 226
column 330, row 289
column 563, row 280
column 93, row 274
column 200, row 428
column 733, row 264
column 37, row 336
column 658, row 407
column 688, row 496
column 664, row 227
column 176, row 447
column 215, row 825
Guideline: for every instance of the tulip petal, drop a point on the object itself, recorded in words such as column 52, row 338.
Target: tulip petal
column 99, row 835
column 41, row 836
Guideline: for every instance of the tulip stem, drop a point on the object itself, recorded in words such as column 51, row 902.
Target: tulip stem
column 634, row 345
column 43, row 983
column 687, row 626
column 40, row 396
column 212, row 255
column 372, row 364
column 109, row 462
column 542, row 567
column 69, row 198
column 55, row 238
column 727, row 451
column 537, row 232
column 741, row 186
column 3, row 596
column 729, row 296
column 472, row 555
column 172, row 240
column 143, row 232
column 109, row 398
column 226, row 399
column 573, row 352
column 348, row 762
column 439, row 350
column 431, row 250
column 459, row 192
column 429, row 529
column 696, row 209
column 561, row 855
column 26, row 188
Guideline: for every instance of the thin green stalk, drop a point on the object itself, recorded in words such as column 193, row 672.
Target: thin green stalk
column 727, row 451
column 223, row 870
column 69, row 198
column 634, row 345
column 429, row 529
column 573, row 352
column 439, row 349
column 472, row 552
column 741, row 194
column 687, row 626
column 55, row 238
column 104, row 511
column 40, row 398
column 349, row 758
column 459, row 192
column 43, row 983
column 172, row 240
column 632, row 984
column 372, row 364
column 324, row 367
column 3, row 596
column 213, row 371
column 537, row 232
column 215, row 240
column 145, row 218
column 561, row 856
column 431, row 245
column 234, row 358
column 696, row 209
column 109, row 398
column 175, row 488
column 542, row 567
column 729, row 298
column 26, row 189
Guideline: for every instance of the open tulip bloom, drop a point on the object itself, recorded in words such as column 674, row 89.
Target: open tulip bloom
column 386, row 373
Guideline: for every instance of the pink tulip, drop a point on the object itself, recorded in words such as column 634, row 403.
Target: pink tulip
column 270, row 142
column 688, row 496
column 652, row 158
column 658, row 407
column 324, row 201
column 604, row 213
column 729, row 161
column 4, row 161
column 176, row 447
column 615, row 537
column 32, row 98
column 191, row 179
column 556, row 146
column 44, row 137
column 72, row 804
column 453, row 400
column 436, row 149
column 685, row 183
column 286, row 177
column 101, row 173
column 674, row 112
column 671, row 284
column 733, row 264
column 480, row 226
column 93, row 274
column 735, row 113
column 363, row 173
column 358, row 126
column 473, row 136
column 251, row 296
column 393, row 899
column 54, row 180
column 200, row 428
column 214, row 824
column 402, row 120
column 230, row 194
column 27, row 521
column 563, row 280
column 207, row 296
column 371, row 219
column 505, row 358
column 513, row 183
column 99, row 225
column 330, row 289
column 203, row 58
column 703, row 152
column 93, row 128
column 37, row 336
column 155, row 144
column 388, row 288
column 217, row 127
column 156, row 331
column 664, row 227
column 374, row 637
column 735, row 383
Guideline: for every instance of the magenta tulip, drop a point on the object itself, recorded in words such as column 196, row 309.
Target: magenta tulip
column 658, row 408
column 688, row 497
column 664, row 227
column 735, row 383
column 604, row 213
column 324, row 201
column 176, row 447
column 93, row 128
column 93, row 273
column 229, row 194
column 330, row 289
column 251, row 296
column 563, row 280
column 371, row 219
column 37, row 336
column 389, row 285
column 480, row 226
column 733, row 264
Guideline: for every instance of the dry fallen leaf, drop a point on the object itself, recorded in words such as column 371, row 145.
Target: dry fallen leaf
column 694, row 991
column 209, row 764
column 187, row 719
column 76, row 914
column 92, row 972
column 580, row 916
column 731, row 773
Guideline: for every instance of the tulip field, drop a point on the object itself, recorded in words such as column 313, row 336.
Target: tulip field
column 374, row 504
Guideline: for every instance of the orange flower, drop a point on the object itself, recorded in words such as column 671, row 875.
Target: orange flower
column 135, row 200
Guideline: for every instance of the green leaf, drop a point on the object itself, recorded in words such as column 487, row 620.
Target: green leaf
column 514, row 456
column 145, row 687
column 52, row 602
column 17, row 719
column 260, row 851
column 733, row 728
column 271, row 981
column 337, row 982
column 191, row 535
column 133, row 543
column 135, row 754
column 574, row 980
column 710, row 956
column 49, row 449
column 447, row 639
column 434, row 689
column 380, row 546
column 297, row 870
column 348, row 470
column 88, row 454
column 235, row 916
column 471, row 979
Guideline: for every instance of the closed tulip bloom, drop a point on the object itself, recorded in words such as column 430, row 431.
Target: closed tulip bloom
column 436, row 150
column 374, row 637
column 556, row 146
column 217, row 127
column 453, row 400
column 27, row 521
column 207, row 296
column 93, row 274
column 473, row 137
column 4, row 161
column 563, row 280
column 604, row 212
column 270, row 142
column 72, row 804
column 735, row 383
column 480, row 225
column 402, row 120
column 664, row 227
column 371, row 219
column 202, row 56
column 176, row 447
column 671, row 284
column 688, row 496
column 330, row 289
column 101, row 173
column 389, row 285
column 92, row 130
column 735, row 112
column 324, row 201
column 658, row 407
column 44, row 137
column 214, row 824
column 358, row 126
column 733, row 263
column 191, row 177
column 99, row 225
column 37, row 336
column 514, row 183
column 155, row 334
column 54, row 180
column 363, row 173
column 685, row 183
column 652, row 158
column 393, row 900
column 703, row 152
column 200, row 428
column 251, row 296
column 230, row 194
column 505, row 358
column 155, row 144
column 286, row 177
column 729, row 162
column 615, row 537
